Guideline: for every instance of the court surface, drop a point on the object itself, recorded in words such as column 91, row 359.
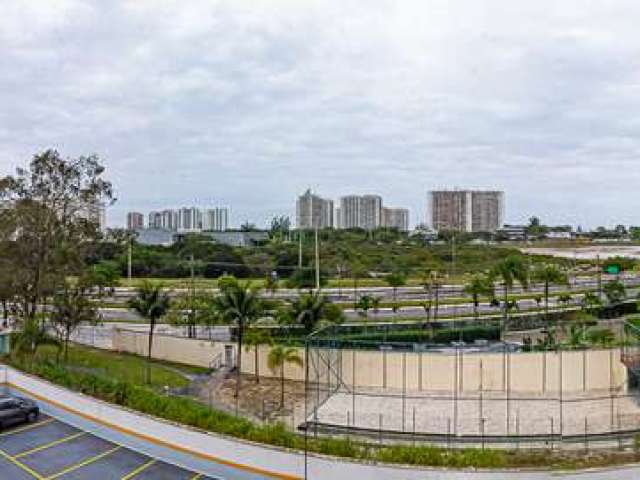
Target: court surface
column 50, row 449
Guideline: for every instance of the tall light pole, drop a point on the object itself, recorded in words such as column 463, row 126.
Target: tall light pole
column 129, row 259
column 317, row 263
column 299, row 249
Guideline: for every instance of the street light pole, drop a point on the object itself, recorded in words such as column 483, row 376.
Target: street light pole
column 317, row 263
column 129, row 259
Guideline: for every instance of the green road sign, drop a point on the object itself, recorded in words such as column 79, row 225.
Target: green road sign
column 613, row 269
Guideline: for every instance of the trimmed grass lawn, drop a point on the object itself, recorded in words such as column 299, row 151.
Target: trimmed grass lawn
column 120, row 366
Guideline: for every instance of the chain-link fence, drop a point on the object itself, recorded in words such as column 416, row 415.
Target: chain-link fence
column 461, row 394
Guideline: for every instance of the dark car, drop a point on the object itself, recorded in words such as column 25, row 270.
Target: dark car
column 14, row 410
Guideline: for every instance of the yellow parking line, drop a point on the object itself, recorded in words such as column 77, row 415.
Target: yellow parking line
column 138, row 470
column 50, row 444
column 196, row 476
column 84, row 463
column 21, row 465
column 28, row 427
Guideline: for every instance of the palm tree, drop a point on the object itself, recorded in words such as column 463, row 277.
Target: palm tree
column 548, row 273
column 477, row 286
column 591, row 302
column 364, row 304
column 240, row 304
column 278, row 357
column 357, row 272
column 253, row 339
column 577, row 336
column 431, row 284
column 395, row 280
column 375, row 305
column 510, row 270
column 308, row 309
column 152, row 303
column 615, row 292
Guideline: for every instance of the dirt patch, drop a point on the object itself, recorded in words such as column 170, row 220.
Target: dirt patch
column 259, row 401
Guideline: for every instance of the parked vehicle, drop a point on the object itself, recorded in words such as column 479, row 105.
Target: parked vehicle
column 15, row 410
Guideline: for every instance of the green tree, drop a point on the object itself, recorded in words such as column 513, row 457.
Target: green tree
column 71, row 308
column 253, row 339
column 30, row 337
column 548, row 274
column 577, row 336
column 591, row 302
column 241, row 305
column 278, row 357
column 510, row 270
column 479, row 285
column 310, row 309
column 615, row 292
column 364, row 305
column 358, row 271
column 51, row 217
column 152, row 303
column 279, row 228
column 395, row 280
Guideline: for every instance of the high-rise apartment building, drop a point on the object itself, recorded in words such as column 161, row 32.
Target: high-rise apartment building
column 396, row 218
column 190, row 219
column 135, row 221
column 360, row 211
column 215, row 219
column 466, row 210
column 313, row 211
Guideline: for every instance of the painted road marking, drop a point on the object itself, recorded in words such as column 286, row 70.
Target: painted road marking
column 139, row 470
column 84, row 463
column 157, row 441
column 197, row 476
column 21, row 465
column 50, row 444
column 28, row 427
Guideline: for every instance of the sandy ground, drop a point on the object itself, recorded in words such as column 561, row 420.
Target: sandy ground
column 260, row 401
column 436, row 412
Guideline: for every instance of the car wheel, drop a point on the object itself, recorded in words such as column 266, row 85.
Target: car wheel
column 32, row 417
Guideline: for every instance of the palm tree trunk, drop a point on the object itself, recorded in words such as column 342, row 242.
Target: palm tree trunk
column 546, row 301
column 282, row 386
column 475, row 308
column 152, row 326
column 239, row 359
column 505, row 317
column 257, row 346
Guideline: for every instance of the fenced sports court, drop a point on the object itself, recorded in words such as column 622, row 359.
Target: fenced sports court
column 464, row 394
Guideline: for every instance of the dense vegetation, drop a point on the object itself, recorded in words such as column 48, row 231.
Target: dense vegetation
column 344, row 254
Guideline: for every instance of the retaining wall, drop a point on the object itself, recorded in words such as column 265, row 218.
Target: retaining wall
column 531, row 372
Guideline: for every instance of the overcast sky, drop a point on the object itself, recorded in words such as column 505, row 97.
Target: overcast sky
column 247, row 103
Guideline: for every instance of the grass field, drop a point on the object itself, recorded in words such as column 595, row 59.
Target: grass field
column 124, row 367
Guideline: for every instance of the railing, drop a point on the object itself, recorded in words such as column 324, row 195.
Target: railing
column 216, row 362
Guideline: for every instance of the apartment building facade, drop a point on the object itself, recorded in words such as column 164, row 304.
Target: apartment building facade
column 466, row 210
column 313, row 211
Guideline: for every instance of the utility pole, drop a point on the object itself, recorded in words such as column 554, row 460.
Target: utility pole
column 299, row 249
column 453, row 256
column 192, row 294
column 317, row 263
column 599, row 277
column 129, row 259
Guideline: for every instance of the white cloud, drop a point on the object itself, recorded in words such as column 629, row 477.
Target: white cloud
column 248, row 103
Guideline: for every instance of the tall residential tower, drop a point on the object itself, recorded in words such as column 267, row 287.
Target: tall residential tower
column 313, row 211
column 466, row 210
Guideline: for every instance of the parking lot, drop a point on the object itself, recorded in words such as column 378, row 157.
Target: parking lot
column 50, row 449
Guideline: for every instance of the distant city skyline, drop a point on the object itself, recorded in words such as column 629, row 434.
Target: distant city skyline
column 251, row 103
